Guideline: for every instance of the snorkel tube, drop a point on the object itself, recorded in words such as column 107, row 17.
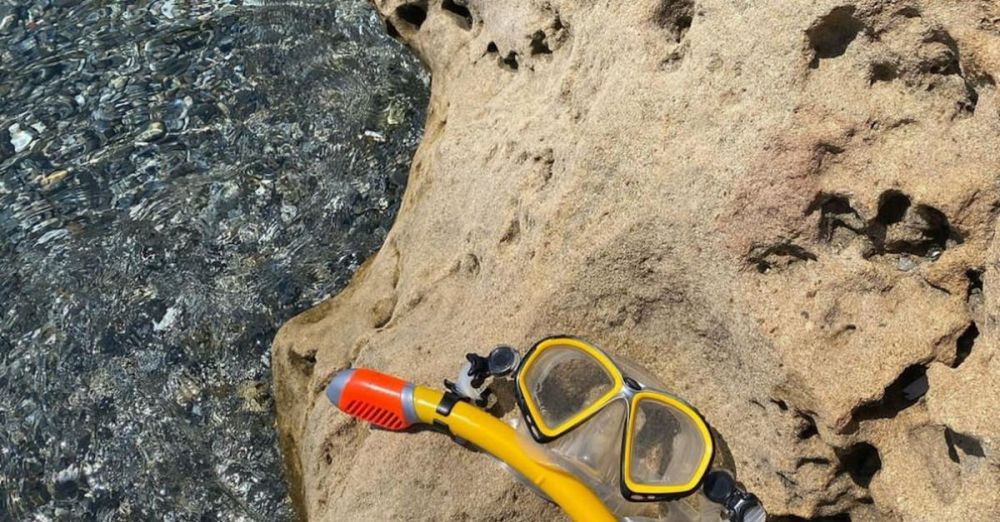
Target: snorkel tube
column 394, row 404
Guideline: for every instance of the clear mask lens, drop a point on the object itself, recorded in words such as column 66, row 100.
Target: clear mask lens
column 564, row 381
column 667, row 445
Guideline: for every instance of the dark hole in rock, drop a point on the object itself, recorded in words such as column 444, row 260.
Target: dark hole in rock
column 557, row 23
column 909, row 12
column 963, row 347
column 782, row 405
column 511, row 60
column 413, row 14
column 808, row 429
column 835, row 212
column 923, row 231
column 304, row 363
column 492, row 47
column 937, row 228
column 968, row 105
column 902, row 393
column 460, row 10
column 882, row 72
column 945, row 63
column 975, row 289
column 676, row 16
column 391, row 29
column 861, row 461
column 538, row 44
column 968, row 444
column 831, row 35
column 683, row 24
column 892, row 207
column 952, row 449
column 917, row 388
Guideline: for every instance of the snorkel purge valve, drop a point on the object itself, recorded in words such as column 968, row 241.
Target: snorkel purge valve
column 600, row 437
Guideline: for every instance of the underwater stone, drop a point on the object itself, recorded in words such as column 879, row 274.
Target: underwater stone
column 153, row 132
column 19, row 138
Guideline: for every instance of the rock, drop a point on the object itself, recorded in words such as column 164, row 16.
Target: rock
column 53, row 180
column 20, row 138
column 6, row 146
column 7, row 21
column 719, row 190
column 153, row 132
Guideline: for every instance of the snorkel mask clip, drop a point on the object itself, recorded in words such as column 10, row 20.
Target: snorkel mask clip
column 471, row 382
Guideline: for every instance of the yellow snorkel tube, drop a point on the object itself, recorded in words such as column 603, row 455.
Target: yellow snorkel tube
column 395, row 404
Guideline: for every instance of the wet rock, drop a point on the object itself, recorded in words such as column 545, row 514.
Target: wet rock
column 50, row 181
column 153, row 132
column 6, row 147
column 20, row 138
column 7, row 19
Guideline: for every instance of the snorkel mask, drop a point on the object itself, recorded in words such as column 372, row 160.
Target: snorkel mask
column 611, row 421
column 589, row 421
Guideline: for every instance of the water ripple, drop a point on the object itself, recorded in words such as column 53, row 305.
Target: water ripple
column 177, row 178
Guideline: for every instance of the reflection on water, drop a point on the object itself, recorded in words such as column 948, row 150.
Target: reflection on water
column 177, row 178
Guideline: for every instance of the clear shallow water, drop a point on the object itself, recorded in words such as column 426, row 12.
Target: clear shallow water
column 177, row 178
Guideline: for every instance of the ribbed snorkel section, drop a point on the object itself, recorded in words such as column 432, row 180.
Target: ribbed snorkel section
column 375, row 415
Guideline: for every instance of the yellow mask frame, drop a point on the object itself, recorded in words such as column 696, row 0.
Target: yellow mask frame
column 620, row 386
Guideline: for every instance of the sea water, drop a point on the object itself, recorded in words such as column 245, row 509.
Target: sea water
column 177, row 178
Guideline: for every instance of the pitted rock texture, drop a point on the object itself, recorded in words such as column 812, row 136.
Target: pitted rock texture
column 787, row 209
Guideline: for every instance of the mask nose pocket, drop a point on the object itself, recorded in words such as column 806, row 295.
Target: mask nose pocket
column 594, row 447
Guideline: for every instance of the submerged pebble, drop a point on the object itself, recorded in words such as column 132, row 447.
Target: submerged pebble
column 53, row 179
column 19, row 138
column 6, row 22
column 153, row 132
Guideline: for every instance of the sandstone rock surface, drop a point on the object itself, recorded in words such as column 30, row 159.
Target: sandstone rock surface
column 785, row 208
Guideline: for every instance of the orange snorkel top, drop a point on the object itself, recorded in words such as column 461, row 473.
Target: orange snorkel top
column 394, row 404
